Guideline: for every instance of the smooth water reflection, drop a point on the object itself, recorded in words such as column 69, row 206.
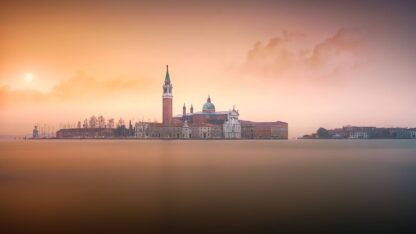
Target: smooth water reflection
column 207, row 186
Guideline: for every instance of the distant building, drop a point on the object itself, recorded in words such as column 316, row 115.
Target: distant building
column 86, row 133
column 186, row 130
column 35, row 133
column 412, row 133
column 141, row 130
column 359, row 132
column 207, row 124
column 232, row 126
column 354, row 132
column 264, row 130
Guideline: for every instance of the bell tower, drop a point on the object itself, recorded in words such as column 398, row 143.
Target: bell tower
column 167, row 99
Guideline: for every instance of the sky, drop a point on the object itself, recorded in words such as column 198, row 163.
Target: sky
column 308, row 63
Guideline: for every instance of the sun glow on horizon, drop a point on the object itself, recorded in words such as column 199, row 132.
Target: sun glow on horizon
column 28, row 77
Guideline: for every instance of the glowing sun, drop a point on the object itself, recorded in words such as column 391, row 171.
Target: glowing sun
column 28, row 77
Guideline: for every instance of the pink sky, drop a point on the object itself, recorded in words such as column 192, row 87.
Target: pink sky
column 311, row 65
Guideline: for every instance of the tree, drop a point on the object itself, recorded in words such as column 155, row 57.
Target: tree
column 85, row 125
column 121, row 123
column 322, row 133
column 121, row 131
column 93, row 122
column 110, row 123
column 131, row 129
column 101, row 121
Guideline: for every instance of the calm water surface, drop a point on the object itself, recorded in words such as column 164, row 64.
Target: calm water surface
column 207, row 186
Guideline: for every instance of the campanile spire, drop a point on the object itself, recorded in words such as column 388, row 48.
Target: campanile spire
column 167, row 77
column 167, row 99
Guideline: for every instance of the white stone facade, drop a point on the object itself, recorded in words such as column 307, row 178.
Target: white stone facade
column 359, row 135
column 141, row 130
column 186, row 130
column 232, row 126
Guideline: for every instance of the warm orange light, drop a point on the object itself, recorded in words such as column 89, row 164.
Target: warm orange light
column 28, row 77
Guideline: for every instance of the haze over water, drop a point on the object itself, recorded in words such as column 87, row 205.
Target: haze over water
column 311, row 64
column 207, row 186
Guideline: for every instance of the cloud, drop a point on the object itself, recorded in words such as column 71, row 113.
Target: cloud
column 10, row 97
column 278, row 55
column 77, row 87
column 287, row 56
column 344, row 50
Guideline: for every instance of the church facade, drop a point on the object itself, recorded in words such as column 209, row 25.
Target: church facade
column 205, row 124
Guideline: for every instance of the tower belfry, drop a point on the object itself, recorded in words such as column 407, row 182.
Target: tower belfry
column 167, row 98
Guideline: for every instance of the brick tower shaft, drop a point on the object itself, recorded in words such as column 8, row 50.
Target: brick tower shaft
column 167, row 111
column 167, row 99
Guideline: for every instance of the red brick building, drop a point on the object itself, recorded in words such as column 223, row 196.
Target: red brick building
column 264, row 130
column 86, row 133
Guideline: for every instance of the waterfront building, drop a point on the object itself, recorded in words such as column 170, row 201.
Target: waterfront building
column 359, row 132
column 232, row 126
column 186, row 130
column 400, row 133
column 205, row 124
column 354, row 132
column 412, row 133
column 141, row 130
column 35, row 133
column 87, row 133
column 264, row 130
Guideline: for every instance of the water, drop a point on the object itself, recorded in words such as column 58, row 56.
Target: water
column 123, row 186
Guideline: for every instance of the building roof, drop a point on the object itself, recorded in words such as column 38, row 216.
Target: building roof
column 260, row 124
column 208, row 106
column 72, row 130
column 167, row 77
column 178, row 123
column 204, row 113
column 204, row 125
column 174, row 123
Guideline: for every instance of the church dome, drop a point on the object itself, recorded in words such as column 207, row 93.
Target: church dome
column 208, row 107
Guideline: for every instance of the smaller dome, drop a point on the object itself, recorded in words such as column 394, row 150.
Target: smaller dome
column 208, row 107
